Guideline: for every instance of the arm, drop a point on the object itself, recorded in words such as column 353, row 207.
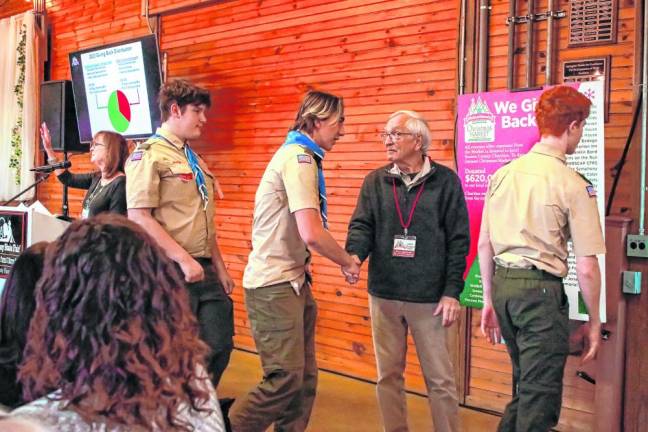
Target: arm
column 320, row 240
column 589, row 279
column 489, row 324
column 362, row 226
column 47, row 146
column 455, row 221
column 457, row 233
column 221, row 269
column 193, row 271
column 118, row 198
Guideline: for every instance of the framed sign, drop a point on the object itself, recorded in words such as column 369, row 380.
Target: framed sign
column 589, row 69
column 13, row 237
column 592, row 22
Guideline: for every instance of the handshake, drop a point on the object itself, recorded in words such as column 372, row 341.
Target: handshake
column 351, row 270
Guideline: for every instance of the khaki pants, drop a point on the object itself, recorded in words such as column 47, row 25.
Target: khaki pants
column 532, row 310
column 283, row 326
column 390, row 320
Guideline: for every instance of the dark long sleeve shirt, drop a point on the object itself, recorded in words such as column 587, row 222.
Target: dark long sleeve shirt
column 440, row 225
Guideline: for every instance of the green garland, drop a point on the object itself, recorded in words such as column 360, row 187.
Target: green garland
column 19, row 91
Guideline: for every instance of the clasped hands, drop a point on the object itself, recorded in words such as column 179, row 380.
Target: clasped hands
column 351, row 271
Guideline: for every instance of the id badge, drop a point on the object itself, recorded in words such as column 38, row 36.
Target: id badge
column 404, row 246
column 85, row 213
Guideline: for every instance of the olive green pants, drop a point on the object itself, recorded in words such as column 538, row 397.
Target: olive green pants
column 283, row 326
column 532, row 310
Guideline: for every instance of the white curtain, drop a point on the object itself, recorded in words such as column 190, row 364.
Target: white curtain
column 11, row 181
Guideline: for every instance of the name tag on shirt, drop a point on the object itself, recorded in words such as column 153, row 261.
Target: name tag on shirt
column 404, row 246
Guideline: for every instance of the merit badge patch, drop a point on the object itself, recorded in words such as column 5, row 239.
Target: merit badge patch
column 590, row 191
column 304, row 158
column 137, row 155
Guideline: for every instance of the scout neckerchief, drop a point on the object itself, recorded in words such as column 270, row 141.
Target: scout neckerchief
column 404, row 245
column 298, row 138
column 198, row 173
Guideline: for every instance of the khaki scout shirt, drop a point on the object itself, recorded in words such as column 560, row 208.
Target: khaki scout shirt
column 533, row 206
column 279, row 254
column 159, row 177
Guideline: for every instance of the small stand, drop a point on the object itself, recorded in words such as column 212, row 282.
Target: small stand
column 37, row 182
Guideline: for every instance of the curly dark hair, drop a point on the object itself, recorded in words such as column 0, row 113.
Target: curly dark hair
column 16, row 310
column 113, row 330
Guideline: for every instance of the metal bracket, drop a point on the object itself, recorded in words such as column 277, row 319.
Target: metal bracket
column 542, row 16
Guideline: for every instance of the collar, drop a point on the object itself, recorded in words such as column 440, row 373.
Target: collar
column 303, row 140
column 547, row 150
column 170, row 136
column 425, row 169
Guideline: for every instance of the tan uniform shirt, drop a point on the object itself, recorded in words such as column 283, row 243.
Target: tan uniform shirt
column 533, row 206
column 279, row 254
column 159, row 177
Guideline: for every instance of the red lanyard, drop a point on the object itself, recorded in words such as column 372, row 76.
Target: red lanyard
column 398, row 209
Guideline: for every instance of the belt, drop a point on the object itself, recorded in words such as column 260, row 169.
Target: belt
column 532, row 273
column 203, row 261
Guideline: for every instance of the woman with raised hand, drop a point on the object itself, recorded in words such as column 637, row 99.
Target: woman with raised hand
column 107, row 186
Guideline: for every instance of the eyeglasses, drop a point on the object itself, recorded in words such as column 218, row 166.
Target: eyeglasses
column 394, row 136
column 94, row 145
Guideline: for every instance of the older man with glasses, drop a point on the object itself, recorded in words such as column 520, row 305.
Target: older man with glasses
column 411, row 219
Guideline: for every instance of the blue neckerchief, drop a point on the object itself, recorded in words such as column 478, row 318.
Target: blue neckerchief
column 298, row 138
column 198, row 173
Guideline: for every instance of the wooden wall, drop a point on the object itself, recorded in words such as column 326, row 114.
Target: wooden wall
column 489, row 371
column 258, row 59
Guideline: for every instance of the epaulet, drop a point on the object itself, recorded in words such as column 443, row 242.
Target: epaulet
column 584, row 178
column 145, row 145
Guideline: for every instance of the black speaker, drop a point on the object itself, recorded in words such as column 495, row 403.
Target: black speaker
column 57, row 110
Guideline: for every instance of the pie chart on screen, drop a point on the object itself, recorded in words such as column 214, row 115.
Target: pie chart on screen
column 119, row 110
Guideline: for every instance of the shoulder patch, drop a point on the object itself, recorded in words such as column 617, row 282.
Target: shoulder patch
column 137, row 155
column 591, row 192
column 304, row 158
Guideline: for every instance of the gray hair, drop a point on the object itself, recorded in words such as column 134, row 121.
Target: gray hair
column 417, row 125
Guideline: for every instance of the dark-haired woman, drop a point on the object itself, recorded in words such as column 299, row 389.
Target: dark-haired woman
column 113, row 343
column 107, row 186
column 16, row 310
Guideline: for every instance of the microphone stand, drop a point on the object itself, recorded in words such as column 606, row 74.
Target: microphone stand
column 64, row 206
column 37, row 182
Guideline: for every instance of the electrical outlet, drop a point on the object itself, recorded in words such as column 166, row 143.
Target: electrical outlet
column 632, row 282
column 637, row 246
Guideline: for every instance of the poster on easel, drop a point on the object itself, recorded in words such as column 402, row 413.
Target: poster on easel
column 494, row 128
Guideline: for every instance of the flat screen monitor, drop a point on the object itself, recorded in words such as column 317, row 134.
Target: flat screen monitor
column 115, row 88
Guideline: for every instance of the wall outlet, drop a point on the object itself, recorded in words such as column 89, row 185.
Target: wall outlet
column 637, row 246
column 632, row 282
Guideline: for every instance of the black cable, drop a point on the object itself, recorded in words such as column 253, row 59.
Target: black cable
column 621, row 163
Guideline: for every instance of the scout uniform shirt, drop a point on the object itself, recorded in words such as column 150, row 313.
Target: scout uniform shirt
column 279, row 254
column 159, row 177
column 533, row 206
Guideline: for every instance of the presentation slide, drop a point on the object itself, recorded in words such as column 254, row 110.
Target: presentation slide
column 116, row 89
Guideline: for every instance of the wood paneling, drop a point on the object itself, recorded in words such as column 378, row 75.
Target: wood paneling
column 12, row 7
column 258, row 59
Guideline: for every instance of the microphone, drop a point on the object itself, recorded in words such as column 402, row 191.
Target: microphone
column 52, row 167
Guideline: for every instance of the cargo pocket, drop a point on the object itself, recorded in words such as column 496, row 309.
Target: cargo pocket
column 275, row 342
